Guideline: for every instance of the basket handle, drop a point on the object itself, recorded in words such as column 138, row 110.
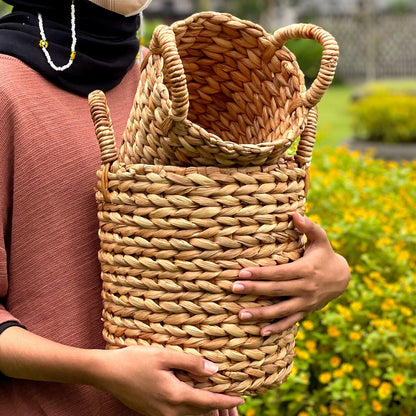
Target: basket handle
column 164, row 43
column 330, row 53
column 103, row 125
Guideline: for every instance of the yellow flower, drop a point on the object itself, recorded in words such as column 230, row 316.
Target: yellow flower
column 335, row 361
column 356, row 306
column 325, row 377
column 300, row 336
column 375, row 382
column 345, row 312
column 347, row 368
column 311, row 346
column 359, row 269
column 303, row 414
column 315, row 218
column 372, row 363
column 323, row 409
column 251, row 412
column 398, row 379
column 384, row 324
column 308, row 325
column 355, row 336
column 399, row 350
column 349, row 218
column 334, row 332
column 388, row 304
column 357, row 384
column 403, row 255
column 338, row 373
column 376, row 276
column 377, row 291
column 334, row 410
column 384, row 390
column 406, row 311
column 383, row 241
column 302, row 354
column 376, row 406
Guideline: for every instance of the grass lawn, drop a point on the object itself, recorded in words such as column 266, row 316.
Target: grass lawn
column 334, row 122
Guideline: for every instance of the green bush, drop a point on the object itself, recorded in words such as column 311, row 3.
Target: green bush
column 308, row 55
column 385, row 116
column 357, row 356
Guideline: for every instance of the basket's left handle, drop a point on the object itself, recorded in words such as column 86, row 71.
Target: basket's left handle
column 103, row 125
column 164, row 43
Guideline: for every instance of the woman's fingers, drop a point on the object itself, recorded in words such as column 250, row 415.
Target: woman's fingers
column 287, row 271
column 209, row 400
column 273, row 289
column 188, row 362
column 271, row 313
column 282, row 324
column 313, row 232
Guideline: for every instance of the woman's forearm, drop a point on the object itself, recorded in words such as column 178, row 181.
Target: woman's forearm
column 28, row 356
column 140, row 377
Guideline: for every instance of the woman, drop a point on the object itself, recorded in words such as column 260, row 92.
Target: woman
column 52, row 54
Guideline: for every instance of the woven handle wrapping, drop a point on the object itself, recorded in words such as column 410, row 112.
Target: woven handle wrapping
column 164, row 43
column 328, row 63
column 104, row 131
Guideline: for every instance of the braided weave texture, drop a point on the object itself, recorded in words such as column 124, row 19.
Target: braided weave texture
column 217, row 90
column 173, row 241
column 203, row 187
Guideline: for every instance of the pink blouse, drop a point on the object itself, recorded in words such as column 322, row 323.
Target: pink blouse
column 49, row 272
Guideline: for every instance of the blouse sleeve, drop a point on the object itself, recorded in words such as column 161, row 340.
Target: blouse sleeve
column 6, row 184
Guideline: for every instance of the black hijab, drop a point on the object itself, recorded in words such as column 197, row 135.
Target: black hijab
column 106, row 42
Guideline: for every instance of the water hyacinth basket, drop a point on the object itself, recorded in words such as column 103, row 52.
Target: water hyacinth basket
column 203, row 186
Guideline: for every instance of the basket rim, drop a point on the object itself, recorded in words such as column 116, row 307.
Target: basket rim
column 146, row 168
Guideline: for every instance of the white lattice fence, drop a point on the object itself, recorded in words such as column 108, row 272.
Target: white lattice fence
column 374, row 47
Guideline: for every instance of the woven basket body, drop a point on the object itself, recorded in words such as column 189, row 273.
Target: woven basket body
column 202, row 189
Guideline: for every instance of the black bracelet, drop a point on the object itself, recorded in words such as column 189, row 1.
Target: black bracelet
column 9, row 324
column 3, row 327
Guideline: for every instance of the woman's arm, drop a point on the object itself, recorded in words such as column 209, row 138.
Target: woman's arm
column 140, row 377
column 306, row 284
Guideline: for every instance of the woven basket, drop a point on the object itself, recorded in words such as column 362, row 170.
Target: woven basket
column 188, row 201
column 219, row 91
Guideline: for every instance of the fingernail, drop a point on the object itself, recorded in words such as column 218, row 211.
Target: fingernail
column 241, row 403
column 266, row 333
column 245, row 274
column 210, row 367
column 300, row 217
column 245, row 315
column 238, row 287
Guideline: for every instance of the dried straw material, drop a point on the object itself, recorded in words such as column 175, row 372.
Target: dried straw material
column 202, row 188
column 219, row 91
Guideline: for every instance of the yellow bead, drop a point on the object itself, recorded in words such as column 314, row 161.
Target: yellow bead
column 72, row 57
column 43, row 44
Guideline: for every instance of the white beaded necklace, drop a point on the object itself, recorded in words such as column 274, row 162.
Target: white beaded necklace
column 44, row 43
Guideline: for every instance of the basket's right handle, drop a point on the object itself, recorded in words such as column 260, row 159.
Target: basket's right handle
column 328, row 63
column 164, row 43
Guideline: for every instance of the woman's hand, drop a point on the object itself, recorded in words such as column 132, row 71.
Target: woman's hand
column 143, row 379
column 305, row 285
